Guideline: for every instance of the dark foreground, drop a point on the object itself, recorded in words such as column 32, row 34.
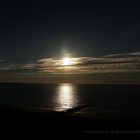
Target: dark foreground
column 91, row 110
column 22, row 123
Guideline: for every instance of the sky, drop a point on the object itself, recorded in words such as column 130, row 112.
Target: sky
column 35, row 36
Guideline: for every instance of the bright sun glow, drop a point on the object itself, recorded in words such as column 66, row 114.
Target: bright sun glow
column 66, row 61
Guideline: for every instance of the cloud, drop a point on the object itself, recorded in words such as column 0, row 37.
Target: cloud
column 83, row 65
column 112, row 68
column 2, row 60
column 121, row 55
column 115, row 63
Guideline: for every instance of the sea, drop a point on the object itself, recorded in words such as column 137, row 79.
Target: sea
column 92, row 100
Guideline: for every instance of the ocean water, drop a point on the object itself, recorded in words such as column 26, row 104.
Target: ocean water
column 61, row 97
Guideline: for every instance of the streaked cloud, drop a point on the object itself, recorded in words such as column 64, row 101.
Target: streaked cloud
column 115, row 68
column 82, row 65
column 2, row 60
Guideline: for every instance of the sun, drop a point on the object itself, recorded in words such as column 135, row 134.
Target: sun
column 66, row 61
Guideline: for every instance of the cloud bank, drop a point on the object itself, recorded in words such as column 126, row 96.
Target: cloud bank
column 112, row 67
column 110, row 63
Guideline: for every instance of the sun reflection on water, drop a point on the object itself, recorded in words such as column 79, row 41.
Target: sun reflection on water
column 66, row 97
